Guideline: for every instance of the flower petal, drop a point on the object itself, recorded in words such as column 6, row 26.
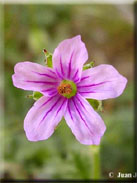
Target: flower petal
column 35, row 77
column 85, row 123
column 101, row 82
column 69, row 57
column 43, row 117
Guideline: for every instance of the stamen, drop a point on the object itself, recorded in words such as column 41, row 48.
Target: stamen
column 64, row 89
column 67, row 88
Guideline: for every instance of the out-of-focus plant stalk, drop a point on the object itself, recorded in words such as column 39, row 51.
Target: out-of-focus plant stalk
column 96, row 170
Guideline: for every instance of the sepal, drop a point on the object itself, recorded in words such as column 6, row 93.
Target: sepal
column 96, row 104
column 48, row 58
column 88, row 66
column 35, row 95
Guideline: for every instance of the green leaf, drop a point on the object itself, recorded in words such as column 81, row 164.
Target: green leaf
column 88, row 66
column 96, row 104
column 48, row 59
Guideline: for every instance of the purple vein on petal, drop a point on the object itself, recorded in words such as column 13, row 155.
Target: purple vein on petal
column 61, row 66
column 76, row 80
column 87, row 92
column 50, row 109
column 59, row 74
column 53, row 93
column 83, row 78
column 69, row 110
column 60, row 107
column 43, row 74
column 46, row 102
column 81, row 116
column 41, row 82
column 80, row 101
column 69, row 67
column 82, row 86
column 50, row 89
column 51, row 71
column 75, row 75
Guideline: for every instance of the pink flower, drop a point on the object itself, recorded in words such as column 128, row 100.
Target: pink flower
column 65, row 89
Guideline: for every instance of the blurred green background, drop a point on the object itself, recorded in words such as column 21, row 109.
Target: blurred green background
column 107, row 31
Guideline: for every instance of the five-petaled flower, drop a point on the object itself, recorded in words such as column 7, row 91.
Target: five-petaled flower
column 65, row 88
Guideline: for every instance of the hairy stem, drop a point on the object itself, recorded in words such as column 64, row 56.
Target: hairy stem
column 96, row 173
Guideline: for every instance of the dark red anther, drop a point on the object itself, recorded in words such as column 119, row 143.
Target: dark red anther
column 45, row 51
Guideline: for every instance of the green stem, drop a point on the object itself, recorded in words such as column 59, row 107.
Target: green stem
column 96, row 173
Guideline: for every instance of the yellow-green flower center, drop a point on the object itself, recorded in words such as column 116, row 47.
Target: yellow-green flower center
column 67, row 88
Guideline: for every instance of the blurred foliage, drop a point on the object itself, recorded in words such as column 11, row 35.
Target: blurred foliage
column 108, row 34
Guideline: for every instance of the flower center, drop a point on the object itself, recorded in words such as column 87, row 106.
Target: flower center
column 67, row 88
